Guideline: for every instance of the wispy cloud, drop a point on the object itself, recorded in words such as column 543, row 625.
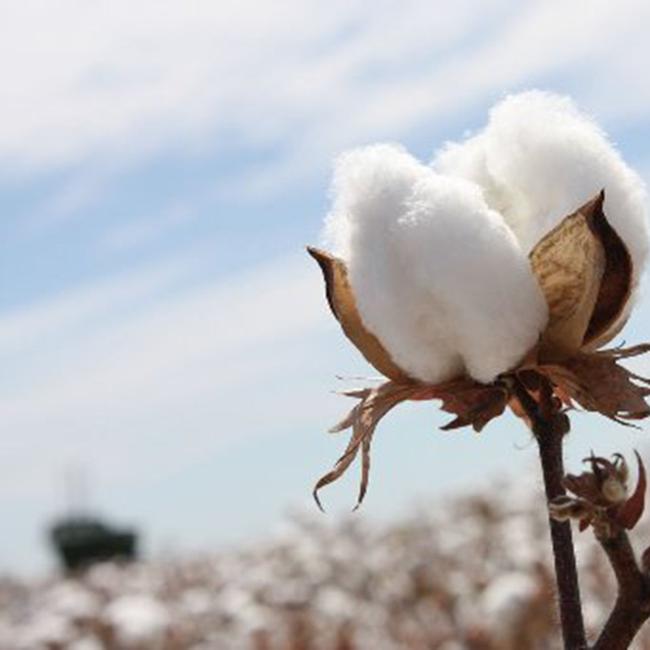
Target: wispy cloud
column 299, row 72
column 188, row 366
column 141, row 230
column 524, row 45
column 41, row 323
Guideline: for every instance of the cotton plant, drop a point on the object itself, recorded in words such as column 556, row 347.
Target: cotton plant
column 493, row 278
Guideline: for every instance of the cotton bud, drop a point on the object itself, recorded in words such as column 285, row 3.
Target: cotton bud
column 437, row 276
column 604, row 489
column 614, row 490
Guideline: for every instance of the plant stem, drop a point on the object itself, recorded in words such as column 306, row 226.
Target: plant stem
column 631, row 610
column 549, row 427
column 573, row 631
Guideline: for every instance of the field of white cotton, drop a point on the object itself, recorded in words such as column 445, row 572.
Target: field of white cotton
column 469, row 573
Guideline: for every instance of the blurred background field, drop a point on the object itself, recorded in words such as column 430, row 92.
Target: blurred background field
column 467, row 573
column 162, row 166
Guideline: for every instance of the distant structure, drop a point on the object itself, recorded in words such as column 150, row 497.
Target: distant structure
column 81, row 540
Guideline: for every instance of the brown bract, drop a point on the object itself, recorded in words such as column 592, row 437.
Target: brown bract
column 585, row 273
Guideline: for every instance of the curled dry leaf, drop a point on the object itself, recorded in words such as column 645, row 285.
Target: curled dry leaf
column 472, row 403
column 587, row 487
column 374, row 404
column 597, row 382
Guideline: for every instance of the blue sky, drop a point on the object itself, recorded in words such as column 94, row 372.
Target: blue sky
column 162, row 166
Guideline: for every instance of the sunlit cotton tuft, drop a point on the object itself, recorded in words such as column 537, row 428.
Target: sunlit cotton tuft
column 437, row 274
column 539, row 159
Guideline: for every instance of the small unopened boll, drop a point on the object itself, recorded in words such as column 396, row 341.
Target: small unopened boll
column 438, row 277
column 614, row 490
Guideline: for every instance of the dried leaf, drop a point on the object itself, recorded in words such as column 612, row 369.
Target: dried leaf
column 473, row 404
column 364, row 418
column 586, row 487
column 630, row 512
column 569, row 263
column 343, row 305
column 597, row 382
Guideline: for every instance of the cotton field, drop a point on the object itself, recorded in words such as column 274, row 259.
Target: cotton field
column 468, row 573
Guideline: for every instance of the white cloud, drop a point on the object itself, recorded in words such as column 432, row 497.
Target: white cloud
column 84, row 79
column 99, row 77
column 63, row 315
column 525, row 45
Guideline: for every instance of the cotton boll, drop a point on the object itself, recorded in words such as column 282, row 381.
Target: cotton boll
column 468, row 160
column 507, row 602
column 72, row 600
column 371, row 185
column 539, row 159
column 438, row 276
column 138, row 619
column 371, row 188
column 86, row 643
column 466, row 259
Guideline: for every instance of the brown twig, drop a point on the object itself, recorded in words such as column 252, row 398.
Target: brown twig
column 632, row 607
column 549, row 427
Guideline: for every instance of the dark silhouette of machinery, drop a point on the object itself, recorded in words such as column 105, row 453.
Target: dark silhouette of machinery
column 81, row 539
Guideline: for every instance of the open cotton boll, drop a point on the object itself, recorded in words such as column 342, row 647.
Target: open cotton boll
column 438, row 276
column 371, row 189
column 539, row 159
column 466, row 259
column 370, row 184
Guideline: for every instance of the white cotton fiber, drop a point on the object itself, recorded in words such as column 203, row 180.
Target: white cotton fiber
column 539, row 159
column 438, row 276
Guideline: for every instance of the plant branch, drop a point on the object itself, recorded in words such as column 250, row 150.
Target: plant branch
column 632, row 607
column 549, row 426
